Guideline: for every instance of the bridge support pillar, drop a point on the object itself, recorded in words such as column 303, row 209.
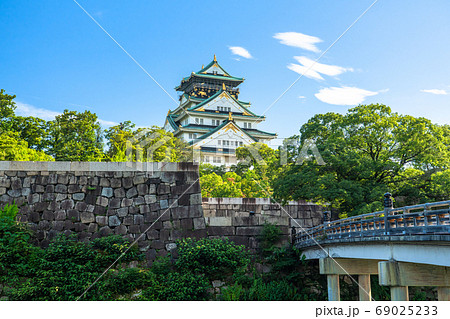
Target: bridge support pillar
column 365, row 291
column 400, row 275
column 399, row 293
column 443, row 293
column 333, row 267
column 334, row 293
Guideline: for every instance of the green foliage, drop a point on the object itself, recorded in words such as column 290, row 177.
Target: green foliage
column 269, row 237
column 12, row 148
column 205, row 169
column 15, row 247
column 228, row 185
column 216, row 258
column 75, row 136
column 65, row 269
column 366, row 152
column 146, row 144
column 178, row 286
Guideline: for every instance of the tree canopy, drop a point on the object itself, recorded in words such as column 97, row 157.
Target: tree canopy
column 367, row 151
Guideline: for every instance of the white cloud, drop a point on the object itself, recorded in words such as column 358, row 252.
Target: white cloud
column 312, row 70
column 300, row 69
column 343, row 95
column 241, row 52
column 302, row 97
column 48, row 115
column 298, row 40
column 331, row 70
column 435, row 91
column 30, row 110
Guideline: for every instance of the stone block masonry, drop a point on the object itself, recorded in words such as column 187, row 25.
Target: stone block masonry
column 242, row 219
column 98, row 199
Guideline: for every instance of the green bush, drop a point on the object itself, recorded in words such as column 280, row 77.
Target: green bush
column 178, row 286
column 216, row 258
column 15, row 248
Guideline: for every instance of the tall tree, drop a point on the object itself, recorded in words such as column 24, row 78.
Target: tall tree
column 75, row 136
column 144, row 144
column 365, row 152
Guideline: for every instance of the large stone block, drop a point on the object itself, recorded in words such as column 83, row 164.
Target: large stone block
column 78, row 196
column 132, row 192
column 101, row 220
column 249, row 230
column 253, row 220
column 122, row 212
column 73, row 215
column 195, row 211
column 280, row 221
column 102, row 201
column 195, row 199
column 107, row 192
column 126, row 202
column 186, row 224
column 121, row 230
column 163, row 189
column 163, row 204
column 105, row 231
column 119, row 192
column 60, row 188
column 67, row 204
column 199, row 223
column 87, row 217
column 220, row 231
column 113, row 221
column 127, row 182
column 179, row 212
column 219, row 221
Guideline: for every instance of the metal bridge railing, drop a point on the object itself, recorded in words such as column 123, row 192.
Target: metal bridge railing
column 430, row 218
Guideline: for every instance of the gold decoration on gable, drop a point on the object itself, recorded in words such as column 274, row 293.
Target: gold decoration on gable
column 230, row 126
column 246, row 113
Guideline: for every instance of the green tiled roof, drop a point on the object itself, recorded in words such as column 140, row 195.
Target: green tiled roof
column 212, row 97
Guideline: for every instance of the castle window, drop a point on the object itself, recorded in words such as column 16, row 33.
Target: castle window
column 218, row 142
column 198, row 121
column 240, row 143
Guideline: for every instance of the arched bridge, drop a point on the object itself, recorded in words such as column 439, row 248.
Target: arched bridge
column 407, row 246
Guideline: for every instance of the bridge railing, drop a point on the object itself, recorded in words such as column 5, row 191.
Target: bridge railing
column 409, row 220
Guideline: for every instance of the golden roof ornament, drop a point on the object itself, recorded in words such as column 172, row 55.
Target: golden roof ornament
column 223, row 86
column 203, row 66
column 230, row 118
column 215, row 60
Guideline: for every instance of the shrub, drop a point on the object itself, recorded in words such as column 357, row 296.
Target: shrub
column 15, row 247
column 178, row 286
column 216, row 258
column 67, row 268
column 269, row 237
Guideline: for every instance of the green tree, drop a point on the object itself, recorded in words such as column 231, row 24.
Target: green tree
column 365, row 152
column 75, row 136
column 144, row 144
column 12, row 148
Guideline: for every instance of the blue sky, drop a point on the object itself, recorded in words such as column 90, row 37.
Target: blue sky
column 54, row 56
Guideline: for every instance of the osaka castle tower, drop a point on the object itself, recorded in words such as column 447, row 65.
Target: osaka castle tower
column 211, row 117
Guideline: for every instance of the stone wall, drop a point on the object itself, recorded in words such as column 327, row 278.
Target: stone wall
column 242, row 219
column 98, row 199
column 154, row 203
